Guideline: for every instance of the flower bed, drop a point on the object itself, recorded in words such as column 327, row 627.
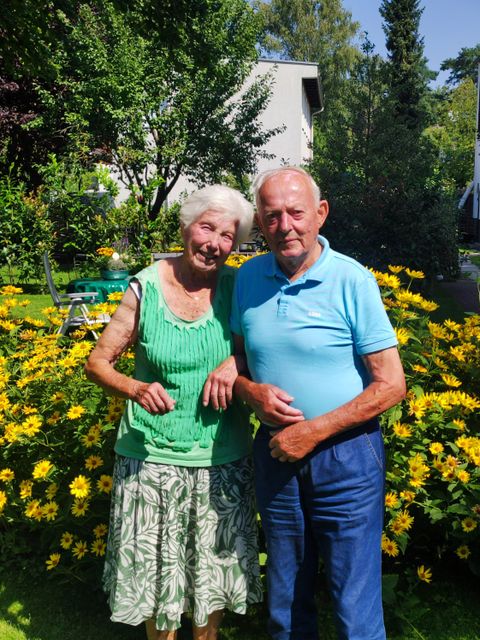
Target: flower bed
column 57, row 432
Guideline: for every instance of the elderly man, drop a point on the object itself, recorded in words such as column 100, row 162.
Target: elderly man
column 324, row 364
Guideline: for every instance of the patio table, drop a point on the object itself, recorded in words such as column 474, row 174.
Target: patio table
column 101, row 286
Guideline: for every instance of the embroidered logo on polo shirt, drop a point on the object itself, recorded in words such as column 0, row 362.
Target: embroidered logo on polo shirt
column 314, row 314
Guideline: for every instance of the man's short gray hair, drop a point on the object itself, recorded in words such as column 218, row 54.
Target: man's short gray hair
column 266, row 175
column 219, row 197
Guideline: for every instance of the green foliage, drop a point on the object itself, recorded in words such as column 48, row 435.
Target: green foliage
column 57, row 433
column 464, row 66
column 74, row 206
column 156, row 111
column 25, row 228
column 453, row 135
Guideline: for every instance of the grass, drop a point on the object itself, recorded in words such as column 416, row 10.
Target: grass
column 43, row 609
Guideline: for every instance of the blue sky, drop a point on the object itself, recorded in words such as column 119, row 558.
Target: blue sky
column 446, row 26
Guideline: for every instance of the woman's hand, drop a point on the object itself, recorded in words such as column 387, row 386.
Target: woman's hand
column 218, row 389
column 152, row 397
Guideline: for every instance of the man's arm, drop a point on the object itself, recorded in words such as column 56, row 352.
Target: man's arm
column 387, row 388
column 270, row 403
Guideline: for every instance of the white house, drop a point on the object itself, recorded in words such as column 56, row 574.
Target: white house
column 296, row 98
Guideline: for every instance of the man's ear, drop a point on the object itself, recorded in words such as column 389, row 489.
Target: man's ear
column 322, row 211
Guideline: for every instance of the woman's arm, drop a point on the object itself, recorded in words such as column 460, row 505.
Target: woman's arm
column 121, row 333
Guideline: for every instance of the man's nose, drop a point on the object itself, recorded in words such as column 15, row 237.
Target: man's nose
column 285, row 225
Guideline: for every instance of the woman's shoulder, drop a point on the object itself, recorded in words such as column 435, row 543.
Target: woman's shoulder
column 148, row 274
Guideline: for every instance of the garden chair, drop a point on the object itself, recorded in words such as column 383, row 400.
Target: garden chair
column 75, row 303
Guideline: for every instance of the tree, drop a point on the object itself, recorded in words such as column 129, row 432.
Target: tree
column 156, row 111
column 453, row 135
column 311, row 31
column 408, row 78
column 464, row 66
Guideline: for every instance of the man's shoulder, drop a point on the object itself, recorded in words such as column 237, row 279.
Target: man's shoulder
column 256, row 264
column 348, row 266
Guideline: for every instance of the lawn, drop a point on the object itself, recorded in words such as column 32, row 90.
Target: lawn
column 40, row 608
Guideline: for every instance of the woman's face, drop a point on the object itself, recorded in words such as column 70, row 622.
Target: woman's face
column 209, row 240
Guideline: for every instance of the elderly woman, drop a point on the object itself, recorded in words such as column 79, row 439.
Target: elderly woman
column 182, row 528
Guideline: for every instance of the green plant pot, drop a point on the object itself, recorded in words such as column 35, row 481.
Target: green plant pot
column 107, row 274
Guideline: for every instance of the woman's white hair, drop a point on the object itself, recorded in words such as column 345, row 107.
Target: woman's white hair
column 266, row 175
column 219, row 197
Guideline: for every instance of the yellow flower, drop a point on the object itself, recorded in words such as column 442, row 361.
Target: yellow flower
column 402, row 430
column 34, row 510
column 75, row 412
column 408, row 496
column 66, row 540
column 50, row 510
column 80, row 507
column 51, row 490
column 10, row 290
column 424, row 574
column 463, row 551
column 26, row 489
column 463, row 476
column 419, row 368
column 80, row 548
column 404, row 520
column 3, row 500
column 115, row 296
column 52, row 561
column 91, row 438
column 389, row 547
column 414, row 274
column 4, row 402
column 459, row 423
column 32, row 425
column 98, row 547
column 57, row 397
column 403, row 336
column 395, row 268
column 458, row 353
column 416, row 408
column 469, row 524
column 7, row 475
column 436, row 448
column 42, row 469
column 80, row 486
column 93, row 462
column 451, row 380
column 100, row 530
column 8, row 325
column 104, row 485
column 391, row 499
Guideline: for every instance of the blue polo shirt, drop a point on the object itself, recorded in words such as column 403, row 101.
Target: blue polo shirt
column 308, row 336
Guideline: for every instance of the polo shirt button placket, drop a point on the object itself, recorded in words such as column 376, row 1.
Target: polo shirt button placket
column 282, row 302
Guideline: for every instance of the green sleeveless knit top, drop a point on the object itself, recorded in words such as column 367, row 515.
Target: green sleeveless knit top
column 180, row 354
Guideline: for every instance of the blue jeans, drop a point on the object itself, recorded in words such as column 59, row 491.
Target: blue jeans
column 329, row 504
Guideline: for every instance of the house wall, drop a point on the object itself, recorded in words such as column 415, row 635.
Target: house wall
column 288, row 108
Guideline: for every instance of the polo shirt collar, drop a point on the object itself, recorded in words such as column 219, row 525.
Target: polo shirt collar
column 315, row 272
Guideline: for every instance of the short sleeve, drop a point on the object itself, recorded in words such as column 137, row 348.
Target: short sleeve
column 371, row 327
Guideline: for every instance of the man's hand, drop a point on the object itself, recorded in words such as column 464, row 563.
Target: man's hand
column 218, row 388
column 153, row 397
column 270, row 403
column 293, row 442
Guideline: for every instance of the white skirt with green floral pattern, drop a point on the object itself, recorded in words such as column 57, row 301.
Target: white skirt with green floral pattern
column 181, row 539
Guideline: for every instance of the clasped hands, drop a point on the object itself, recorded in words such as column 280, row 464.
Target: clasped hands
column 293, row 436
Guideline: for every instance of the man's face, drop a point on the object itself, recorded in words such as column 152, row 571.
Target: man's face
column 290, row 219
